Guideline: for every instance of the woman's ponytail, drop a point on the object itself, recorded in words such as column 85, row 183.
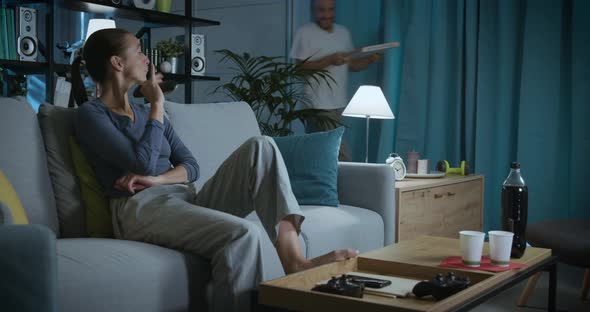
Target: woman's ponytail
column 78, row 89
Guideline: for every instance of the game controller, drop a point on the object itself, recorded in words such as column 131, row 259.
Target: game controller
column 342, row 285
column 441, row 287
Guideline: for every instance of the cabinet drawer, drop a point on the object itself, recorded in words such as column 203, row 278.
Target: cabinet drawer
column 440, row 211
column 459, row 206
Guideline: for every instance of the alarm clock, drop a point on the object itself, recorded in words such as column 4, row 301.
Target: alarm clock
column 399, row 168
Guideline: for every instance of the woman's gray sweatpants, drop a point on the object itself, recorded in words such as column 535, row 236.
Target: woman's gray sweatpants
column 210, row 223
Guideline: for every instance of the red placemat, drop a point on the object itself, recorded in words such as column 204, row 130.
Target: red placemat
column 486, row 265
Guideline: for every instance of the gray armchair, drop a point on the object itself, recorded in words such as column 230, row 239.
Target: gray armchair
column 28, row 267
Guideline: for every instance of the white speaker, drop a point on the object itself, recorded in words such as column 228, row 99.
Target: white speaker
column 198, row 55
column 26, row 26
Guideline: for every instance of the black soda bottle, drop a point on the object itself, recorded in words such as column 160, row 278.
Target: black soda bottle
column 515, row 200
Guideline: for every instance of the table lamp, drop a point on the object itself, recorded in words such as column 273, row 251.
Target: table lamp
column 94, row 25
column 368, row 102
column 97, row 24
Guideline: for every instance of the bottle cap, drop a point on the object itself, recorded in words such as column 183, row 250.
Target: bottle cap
column 515, row 165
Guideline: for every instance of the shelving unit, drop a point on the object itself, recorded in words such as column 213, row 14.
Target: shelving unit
column 105, row 9
column 152, row 18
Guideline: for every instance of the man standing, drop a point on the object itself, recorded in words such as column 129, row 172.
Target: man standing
column 327, row 45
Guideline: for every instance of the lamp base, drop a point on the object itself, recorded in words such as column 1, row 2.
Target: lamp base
column 367, row 142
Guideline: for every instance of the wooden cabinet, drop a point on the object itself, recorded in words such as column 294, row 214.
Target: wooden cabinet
column 439, row 207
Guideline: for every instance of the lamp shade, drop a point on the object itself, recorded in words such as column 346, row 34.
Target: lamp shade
column 368, row 101
column 97, row 24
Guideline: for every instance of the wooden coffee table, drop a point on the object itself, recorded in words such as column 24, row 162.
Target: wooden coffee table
column 416, row 259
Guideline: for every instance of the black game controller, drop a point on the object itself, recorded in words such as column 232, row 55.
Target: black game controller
column 441, row 287
column 342, row 285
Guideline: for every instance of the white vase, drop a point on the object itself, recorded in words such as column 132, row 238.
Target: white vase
column 174, row 62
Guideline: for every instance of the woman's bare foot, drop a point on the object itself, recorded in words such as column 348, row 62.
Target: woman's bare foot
column 290, row 254
column 334, row 256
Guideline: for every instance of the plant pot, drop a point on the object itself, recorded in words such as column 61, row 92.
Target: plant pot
column 164, row 5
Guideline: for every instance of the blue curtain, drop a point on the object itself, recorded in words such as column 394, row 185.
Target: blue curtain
column 364, row 20
column 490, row 81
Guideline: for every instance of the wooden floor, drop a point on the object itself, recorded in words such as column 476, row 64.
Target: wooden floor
column 569, row 281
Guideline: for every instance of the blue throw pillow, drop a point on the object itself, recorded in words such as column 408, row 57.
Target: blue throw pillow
column 312, row 164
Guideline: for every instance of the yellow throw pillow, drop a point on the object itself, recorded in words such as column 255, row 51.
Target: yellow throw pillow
column 9, row 197
column 98, row 213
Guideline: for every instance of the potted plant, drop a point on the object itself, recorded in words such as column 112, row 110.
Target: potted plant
column 171, row 49
column 273, row 89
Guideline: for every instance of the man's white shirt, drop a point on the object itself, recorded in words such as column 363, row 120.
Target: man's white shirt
column 314, row 42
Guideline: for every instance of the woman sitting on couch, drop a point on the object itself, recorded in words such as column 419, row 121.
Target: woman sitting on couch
column 147, row 172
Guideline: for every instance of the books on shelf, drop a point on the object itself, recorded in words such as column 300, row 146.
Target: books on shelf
column 61, row 96
column 3, row 34
column 8, row 35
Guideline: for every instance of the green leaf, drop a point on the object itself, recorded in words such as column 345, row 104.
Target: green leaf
column 273, row 89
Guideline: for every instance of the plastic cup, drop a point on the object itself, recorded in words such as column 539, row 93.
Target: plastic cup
column 471, row 247
column 500, row 247
column 423, row 166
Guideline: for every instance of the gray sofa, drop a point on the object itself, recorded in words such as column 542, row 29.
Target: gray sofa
column 116, row 275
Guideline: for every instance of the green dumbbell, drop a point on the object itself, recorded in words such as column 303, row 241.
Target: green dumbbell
column 444, row 166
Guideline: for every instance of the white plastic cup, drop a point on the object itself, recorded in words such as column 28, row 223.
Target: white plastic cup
column 423, row 166
column 500, row 247
column 471, row 247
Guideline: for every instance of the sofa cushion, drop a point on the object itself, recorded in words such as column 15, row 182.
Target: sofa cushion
column 117, row 275
column 9, row 198
column 312, row 163
column 96, row 204
column 325, row 229
column 212, row 131
column 329, row 228
column 24, row 163
column 56, row 127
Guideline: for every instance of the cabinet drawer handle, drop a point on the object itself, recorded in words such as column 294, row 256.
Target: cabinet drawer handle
column 451, row 193
column 438, row 195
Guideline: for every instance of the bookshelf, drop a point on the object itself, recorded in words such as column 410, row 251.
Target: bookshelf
column 104, row 9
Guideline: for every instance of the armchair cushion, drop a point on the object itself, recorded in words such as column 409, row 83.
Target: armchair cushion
column 23, row 161
column 312, row 163
column 11, row 201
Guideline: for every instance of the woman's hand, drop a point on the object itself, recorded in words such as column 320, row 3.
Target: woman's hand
column 134, row 182
column 159, row 78
column 150, row 88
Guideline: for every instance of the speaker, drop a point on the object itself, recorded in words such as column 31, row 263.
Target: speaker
column 198, row 55
column 26, row 26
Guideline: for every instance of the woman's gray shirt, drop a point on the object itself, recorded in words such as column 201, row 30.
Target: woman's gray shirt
column 116, row 146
